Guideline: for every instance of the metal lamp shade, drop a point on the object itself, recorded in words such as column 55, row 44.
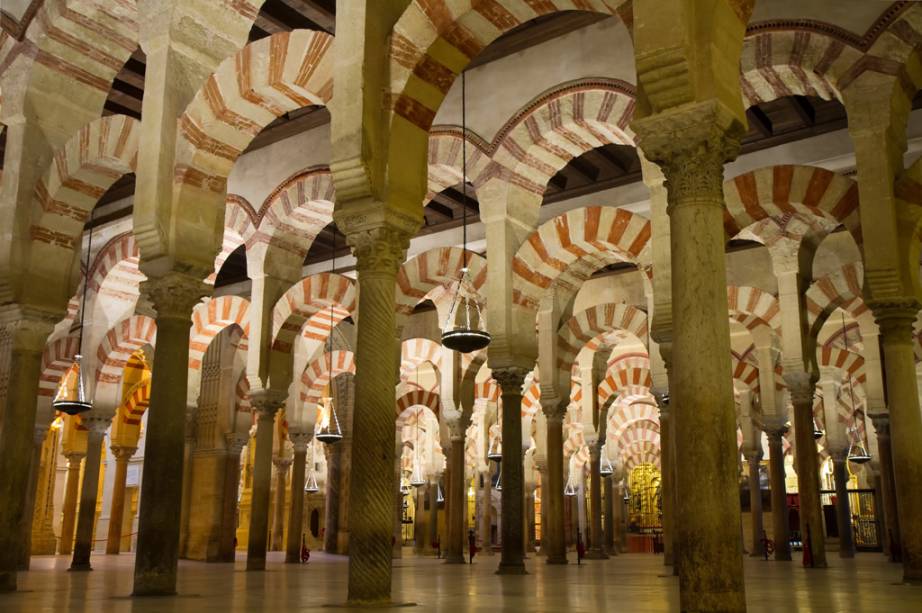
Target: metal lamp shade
column 310, row 486
column 495, row 452
column 327, row 430
column 498, row 486
column 605, row 468
column 467, row 334
column 569, row 490
column 817, row 431
column 466, row 340
column 439, row 497
column 71, row 397
column 416, row 479
column 858, row 454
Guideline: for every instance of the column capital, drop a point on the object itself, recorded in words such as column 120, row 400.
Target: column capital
column 74, row 457
column 300, row 440
column 895, row 317
column 691, row 145
column 774, row 426
column 122, row 452
column 801, row 385
column 753, row 454
column 839, row 454
column 282, row 463
column 510, row 379
column 881, row 423
column 235, row 442
column 97, row 424
column 175, row 294
column 383, row 248
column 267, row 402
column 30, row 326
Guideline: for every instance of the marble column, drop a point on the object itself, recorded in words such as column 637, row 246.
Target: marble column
column 843, row 510
column 157, row 557
column 458, row 508
column 896, row 333
column 553, row 533
column 691, row 145
column 433, row 514
column 69, row 511
column 266, row 403
column 331, row 504
column 609, row 540
column 513, row 472
column 775, row 433
column 24, row 338
column 25, row 524
column 300, row 441
column 117, row 510
column 596, row 549
column 281, row 487
column 887, row 490
column 86, row 516
column 667, row 457
column 420, row 521
column 486, row 514
column 379, row 252
column 801, row 387
column 234, row 445
column 753, row 458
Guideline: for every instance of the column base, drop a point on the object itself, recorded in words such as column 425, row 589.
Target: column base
column 557, row 560
column 513, row 568
column 455, row 559
column 153, row 584
column 370, row 604
column 256, row 564
column 7, row 581
column 80, row 567
column 293, row 559
column 596, row 555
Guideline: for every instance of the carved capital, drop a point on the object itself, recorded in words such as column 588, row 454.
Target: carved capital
column 895, row 318
column 29, row 328
column 379, row 250
column 97, row 424
column 774, row 426
column 175, row 294
column 282, row 463
column 300, row 440
column 74, row 458
column 123, row 453
column 801, row 385
column 691, row 144
column 235, row 442
column 555, row 411
column 266, row 402
column 510, row 379
column 881, row 423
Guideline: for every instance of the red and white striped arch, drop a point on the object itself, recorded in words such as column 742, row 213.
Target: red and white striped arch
column 777, row 191
column 848, row 361
column 445, row 164
column 746, row 373
column 307, row 306
column 418, row 397
column 437, row 267
column 57, row 359
column 239, row 228
column 317, row 375
column 115, row 349
column 120, row 256
column 586, row 328
column 242, row 394
column 531, row 399
column 561, row 126
column 488, row 390
column 209, row 318
column 754, row 307
column 587, row 238
column 627, row 375
column 415, row 351
column 429, row 31
column 841, row 289
column 624, row 414
column 132, row 410
column 249, row 90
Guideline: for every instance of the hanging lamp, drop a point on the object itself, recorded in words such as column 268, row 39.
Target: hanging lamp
column 569, row 489
column 495, row 452
column 310, row 486
column 817, row 431
column 857, row 452
column 498, row 486
column 416, row 479
column 328, row 430
column 71, row 396
column 439, row 496
column 605, row 467
column 464, row 336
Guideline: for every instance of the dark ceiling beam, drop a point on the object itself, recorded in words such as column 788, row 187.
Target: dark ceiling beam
column 457, row 196
column 315, row 12
column 801, row 105
column 760, row 121
column 290, row 17
column 606, row 156
column 301, row 123
column 111, row 107
column 440, row 210
column 582, row 167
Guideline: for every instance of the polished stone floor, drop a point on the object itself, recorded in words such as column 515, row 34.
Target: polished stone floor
column 633, row 583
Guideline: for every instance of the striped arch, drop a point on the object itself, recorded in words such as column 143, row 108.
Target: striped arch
column 531, row 399
column 317, row 375
column 754, row 307
column 429, row 31
column 249, row 90
column 242, row 393
column 415, row 351
column 746, row 373
column 488, row 390
column 121, row 249
column 437, row 267
column 293, row 215
column 445, row 163
column 56, row 360
column 841, row 289
column 779, row 63
column 125, row 337
column 587, row 239
column 560, row 126
column 209, row 318
column 431, row 400
column 305, row 309
column 623, row 415
column 849, row 361
column 777, row 191
column 132, row 409
column 584, row 328
column 629, row 374
column 239, row 228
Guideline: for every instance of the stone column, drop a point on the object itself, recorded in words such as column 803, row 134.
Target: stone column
column 552, row 536
column 801, row 387
column 433, row 514
column 513, row 472
column 86, row 516
column 157, row 556
column 486, row 523
column 331, row 505
column 299, row 440
column 266, row 403
column 69, row 512
column 667, row 457
column 596, row 549
column 691, row 145
column 609, row 538
column 843, row 510
column 26, row 338
column 754, row 457
column 420, row 521
column 458, row 507
column 278, row 519
column 775, row 432
column 888, row 489
column 235, row 443
column 186, row 507
column 896, row 332
column 117, row 511
column 28, row 514
column 379, row 252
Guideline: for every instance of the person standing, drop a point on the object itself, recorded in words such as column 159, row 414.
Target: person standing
column 471, row 545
